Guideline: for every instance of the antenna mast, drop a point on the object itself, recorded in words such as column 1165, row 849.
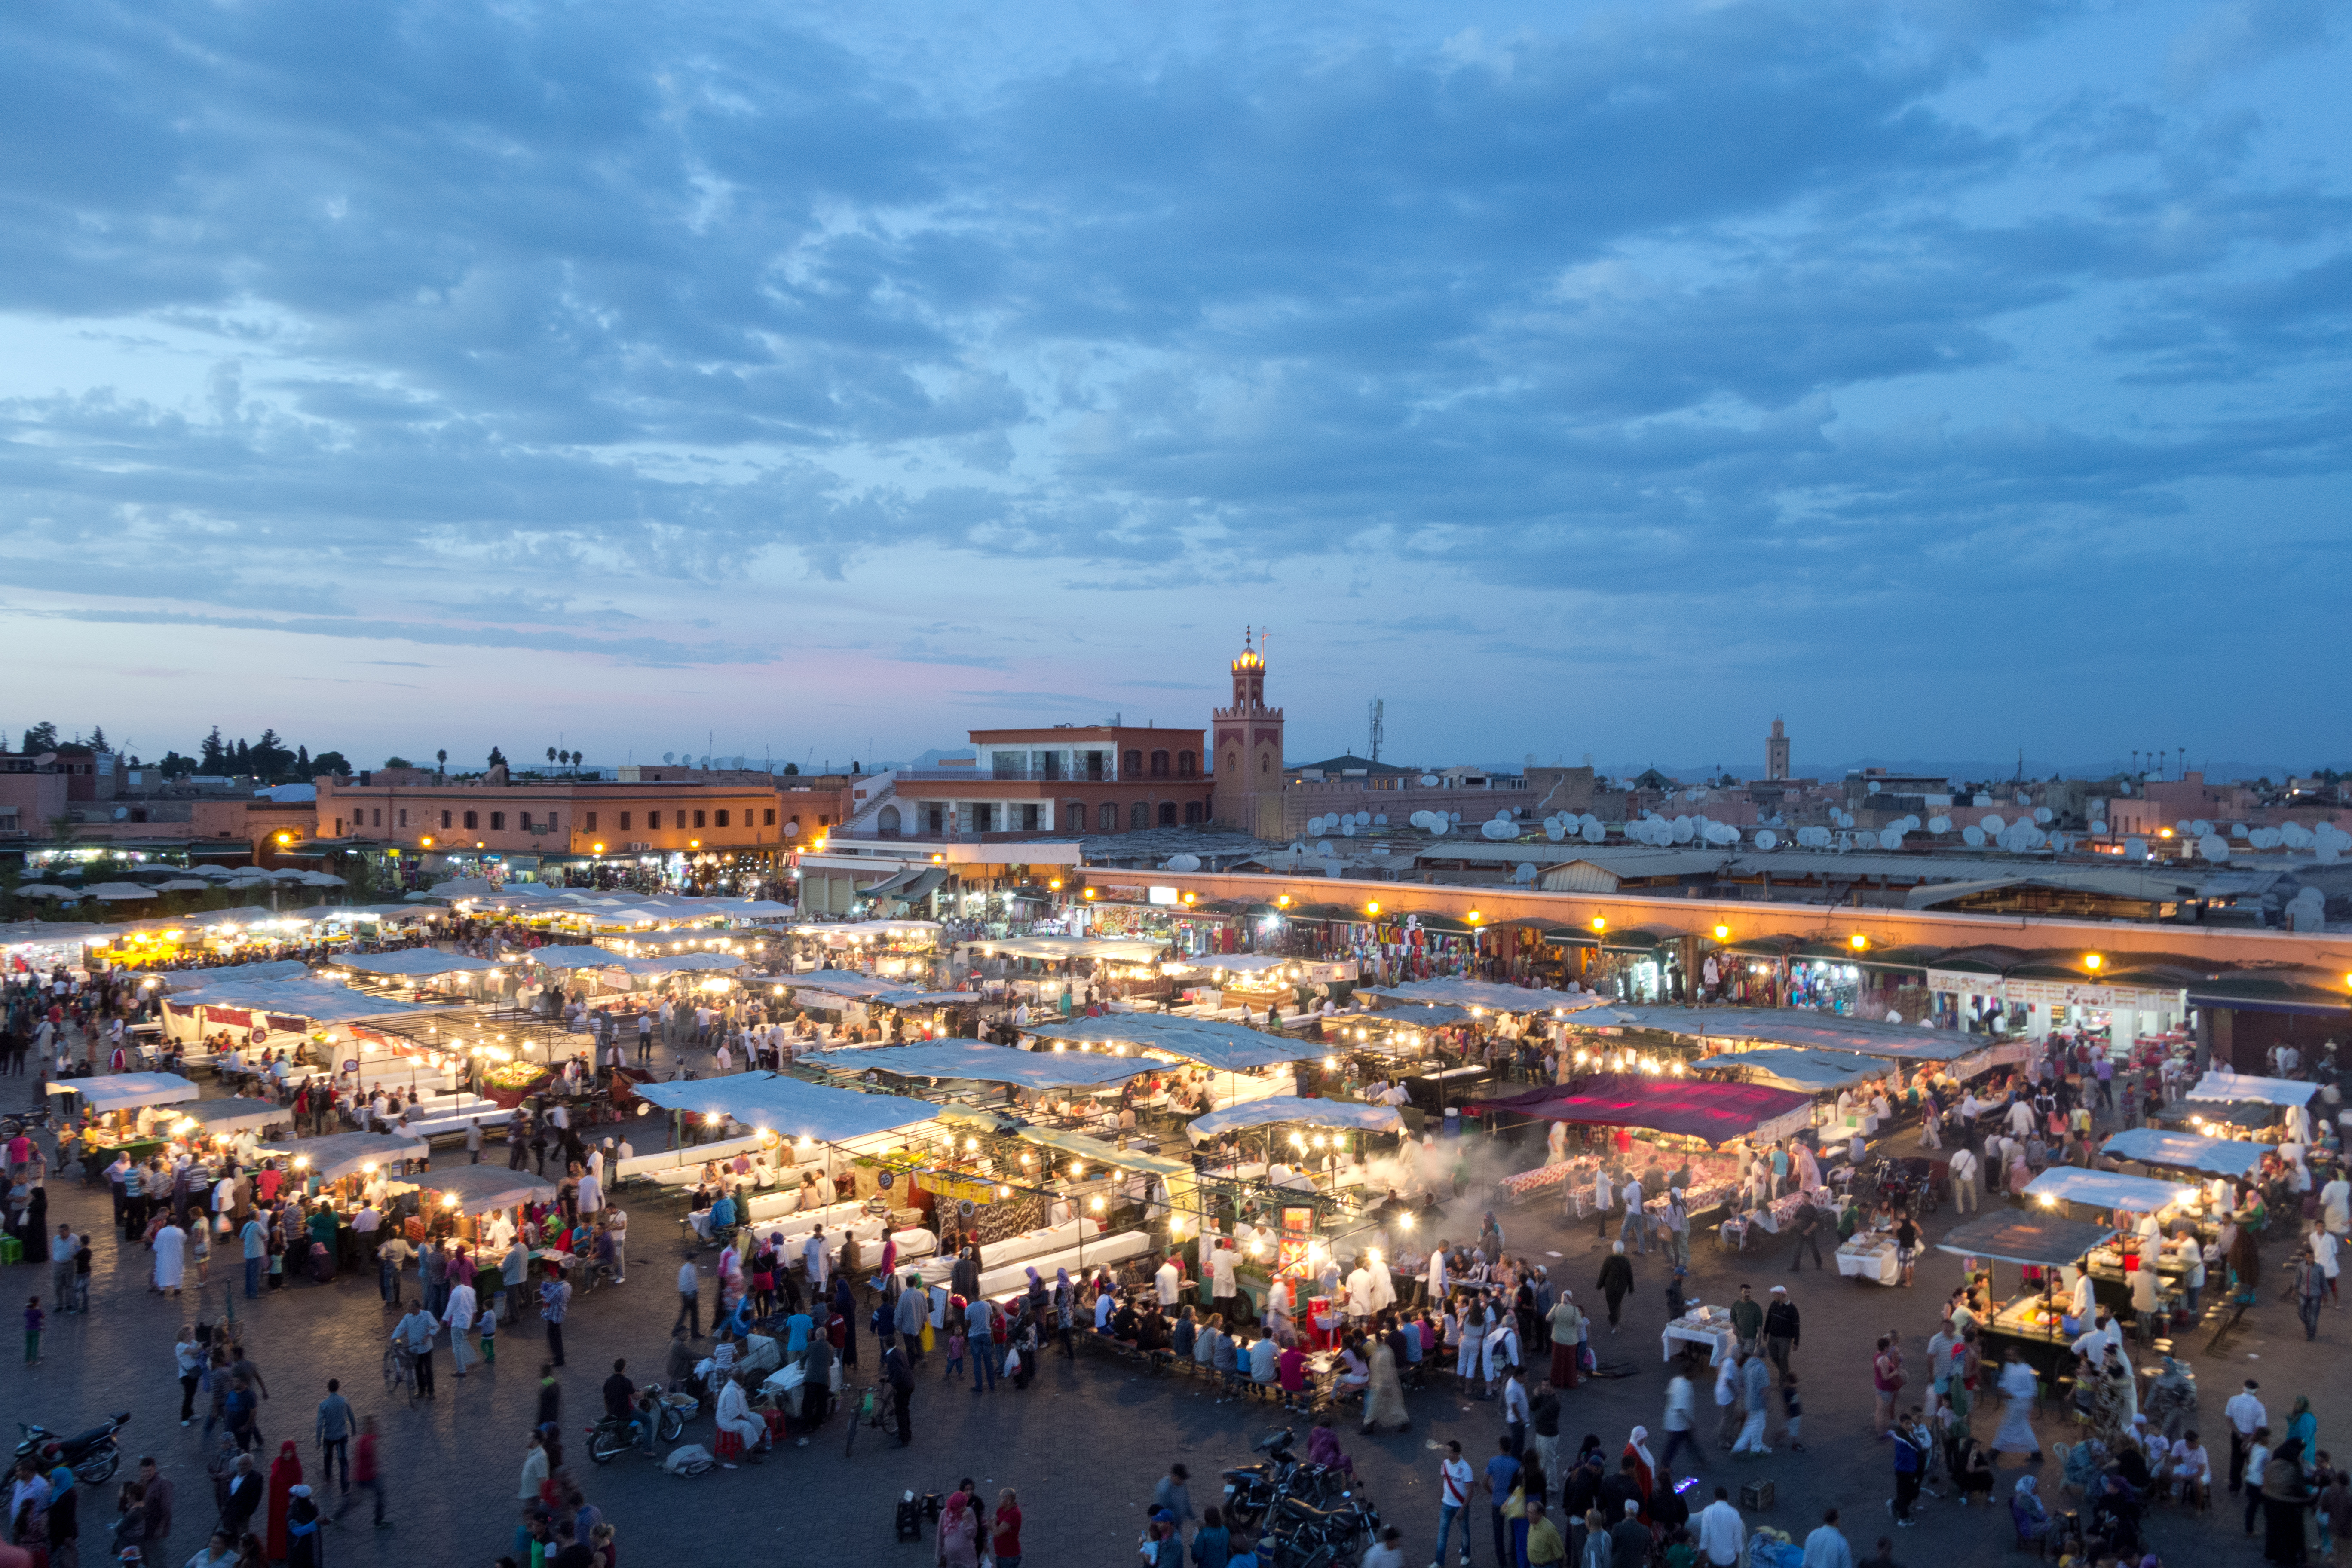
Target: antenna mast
column 1377, row 710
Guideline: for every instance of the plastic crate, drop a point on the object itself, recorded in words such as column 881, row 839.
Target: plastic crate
column 11, row 1249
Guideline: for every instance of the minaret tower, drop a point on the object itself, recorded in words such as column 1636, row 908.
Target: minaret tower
column 1246, row 745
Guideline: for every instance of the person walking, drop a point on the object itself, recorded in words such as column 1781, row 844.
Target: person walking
column 1682, row 1415
column 415, row 1334
column 188, row 1358
column 1616, row 1278
column 554, row 1302
column 901, row 1379
column 1755, row 1388
column 1174, row 1494
column 1809, row 1234
column 1826, row 1547
column 334, row 1433
column 1782, row 1329
column 1454, row 1485
column 1722, row 1537
column 365, row 1474
column 458, row 1313
column 255, row 1240
column 2310, row 1291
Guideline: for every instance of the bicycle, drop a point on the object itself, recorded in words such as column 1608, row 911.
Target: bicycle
column 399, row 1370
column 868, row 1414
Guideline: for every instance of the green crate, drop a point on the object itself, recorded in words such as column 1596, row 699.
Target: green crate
column 11, row 1249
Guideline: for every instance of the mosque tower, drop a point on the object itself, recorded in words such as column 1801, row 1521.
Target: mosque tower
column 1246, row 741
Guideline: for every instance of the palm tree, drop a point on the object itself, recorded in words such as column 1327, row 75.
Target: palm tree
column 442, row 757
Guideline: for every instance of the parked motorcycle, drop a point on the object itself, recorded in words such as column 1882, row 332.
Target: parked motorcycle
column 93, row 1457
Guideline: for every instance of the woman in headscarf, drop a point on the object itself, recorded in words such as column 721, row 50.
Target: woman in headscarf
column 1645, row 1466
column 64, row 1519
column 2115, row 1398
column 2285, row 1496
column 959, row 1534
column 285, row 1475
column 1473, row 1337
column 36, row 1225
column 1566, row 1326
column 303, row 1547
column 1384, row 1408
column 846, row 1305
column 1323, row 1447
column 2171, row 1400
column 2027, row 1512
column 2302, row 1427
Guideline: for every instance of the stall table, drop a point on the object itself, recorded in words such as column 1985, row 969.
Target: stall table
column 1870, row 1255
column 1708, row 1326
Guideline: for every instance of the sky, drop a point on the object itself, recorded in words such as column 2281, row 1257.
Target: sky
column 818, row 383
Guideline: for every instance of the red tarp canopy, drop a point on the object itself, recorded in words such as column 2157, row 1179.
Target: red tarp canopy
column 1688, row 1107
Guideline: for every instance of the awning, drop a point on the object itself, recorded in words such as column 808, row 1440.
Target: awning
column 1280, row 1107
column 2044, row 1241
column 1793, row 1026
column 1239, row 963
column 2238, row 1086
column 1060, row 949
column 1490, row 994
column 1688, row 1107
column 2185, row 1152
column 576, row 957
column 1807, row 1071
column 480, row 1189
column 789, row 1107
column 1227, row 1047
column 318, row 1001
column 890, row 884
column 340, row 1154
column 175, row 979
column 414, row 962
column 128, row 1091
column 2104, row 1189
column 986, row 1064
column 217, row 1117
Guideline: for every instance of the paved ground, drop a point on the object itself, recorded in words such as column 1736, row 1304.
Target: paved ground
column 1083, row 1446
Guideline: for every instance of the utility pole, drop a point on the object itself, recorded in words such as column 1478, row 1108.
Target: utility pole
column 1377, row 710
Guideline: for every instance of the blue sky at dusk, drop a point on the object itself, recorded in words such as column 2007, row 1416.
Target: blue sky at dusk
column 1947, row 377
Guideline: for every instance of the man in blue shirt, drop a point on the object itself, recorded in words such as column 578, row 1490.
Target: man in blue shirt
column 796, row 1332
column 1502, row 1470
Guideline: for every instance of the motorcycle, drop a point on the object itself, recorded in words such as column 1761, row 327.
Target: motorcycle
column 93, row 1457
column 1306, row 1536
column 1253, row 1490
column 611, row 1436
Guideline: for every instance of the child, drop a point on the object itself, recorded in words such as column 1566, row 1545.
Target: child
column 489, row 1330
column 33, row 1321
column 956, row 1344
column 1793, row 1410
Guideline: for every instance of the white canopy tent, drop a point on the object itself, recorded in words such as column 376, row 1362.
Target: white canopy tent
column 128, row 1091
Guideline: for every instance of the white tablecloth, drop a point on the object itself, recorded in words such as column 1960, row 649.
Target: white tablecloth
column 1869, row 1255
column 1715, row 1333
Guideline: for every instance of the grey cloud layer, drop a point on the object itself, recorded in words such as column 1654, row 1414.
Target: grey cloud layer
column 559, row 297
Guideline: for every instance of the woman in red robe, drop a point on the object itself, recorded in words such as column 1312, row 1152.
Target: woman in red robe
column 285, row 1475
column 1645, row 1468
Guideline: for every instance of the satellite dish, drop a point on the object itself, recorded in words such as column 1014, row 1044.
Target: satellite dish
column 2202, row 828
column 1873, row 786
column 791, row 829
column 1682, row 830
column 1554, row 831
column 121, row 813
column 2213, row 847
column 2024, row 798
column 2238, row 830
column 1525, row 871
column 1890, row 839
column 2135, row 849
column 1973, row 837
column 1324, row 848
column 1503, row 814
column 2297, row 835
column 1314, row 824
column 1381, row 821
column 1940, row 824
column 1347, row 828
column 1429, row 781
column 1765, row 838
column 2043, row 815
column 1993, row 824
column 1452, row 816
column 44, row 759
column 1592, row 832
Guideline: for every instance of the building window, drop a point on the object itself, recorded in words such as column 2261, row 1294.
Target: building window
column 1107, row 818
column 624, row 821
column 339, row 827
column 403, row 816
column 592, row 822
column 498, row 821
column 1138, row 815
column 769, row 817
column 378, row 815
column 1192, row 813
column 1186, row 765
column 1232, row 761
column 445, row 820
column 1159, row 764
column 939, row 818
column 473, row 819
column 1096, row 762
column 1133, row 763
column 698, row 819
column 1266, row 762
column 823, row 820
column 720, row 819
column 1029, row 819
column 652, row 822
column 1167, row 813
column 886, row 824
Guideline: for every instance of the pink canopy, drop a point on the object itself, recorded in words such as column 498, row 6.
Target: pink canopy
column 1688, row 1107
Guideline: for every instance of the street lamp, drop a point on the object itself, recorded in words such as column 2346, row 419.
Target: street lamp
column 1722, row 933
column 1373, row 907
column 1857, row 941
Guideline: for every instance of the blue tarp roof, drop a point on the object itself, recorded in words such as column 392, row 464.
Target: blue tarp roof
column 1795, row 1026
column 789, row 1107
column 1487, row 994
column 1290, row 1108
column 2185, row 1151
column 1227, row 1047
column 576, row 957
column 987, row 1064
column 321, row 1001
column 2239, row 1086
column 1793, row 1066
column 414, row 960
column 2104, row 1189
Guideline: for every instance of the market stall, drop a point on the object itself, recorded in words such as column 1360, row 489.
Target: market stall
column 340, row 1156
column 212, row 1128
column 472, row 1201
column 2048, row 1248
column 2292, row 1095
column 125, row 1111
